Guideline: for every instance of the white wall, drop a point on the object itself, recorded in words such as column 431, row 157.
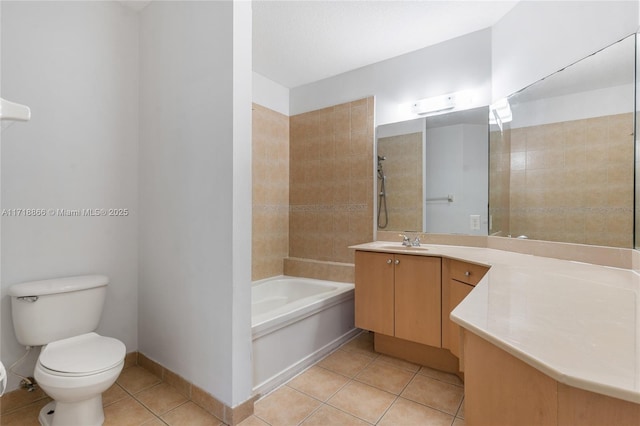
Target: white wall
column 76, row 65
column 463, row 63
column 195, row 193
column 241, row 345
column 270, row 94
column 537, row 38
column 456, row 164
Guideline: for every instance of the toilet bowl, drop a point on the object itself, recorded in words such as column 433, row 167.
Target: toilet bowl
column 75, row 364
column 75, row 372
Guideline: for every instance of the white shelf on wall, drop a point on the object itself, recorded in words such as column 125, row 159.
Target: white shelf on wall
column 13, row 111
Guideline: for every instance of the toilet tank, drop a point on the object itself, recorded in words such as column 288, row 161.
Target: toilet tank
column 50, row 310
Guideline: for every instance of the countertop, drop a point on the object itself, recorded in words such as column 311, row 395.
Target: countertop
column 576, row 322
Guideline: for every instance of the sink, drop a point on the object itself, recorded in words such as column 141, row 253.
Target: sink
column 403, row 248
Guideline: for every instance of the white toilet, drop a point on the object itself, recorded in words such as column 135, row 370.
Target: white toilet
column 75, row 365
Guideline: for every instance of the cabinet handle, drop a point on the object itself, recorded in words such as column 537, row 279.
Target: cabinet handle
column 397, row 261
column 467, row 274
column 388, row 261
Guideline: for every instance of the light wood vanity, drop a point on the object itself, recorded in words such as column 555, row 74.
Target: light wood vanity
column 399, row 295
column 406, row 300
column 539, row 340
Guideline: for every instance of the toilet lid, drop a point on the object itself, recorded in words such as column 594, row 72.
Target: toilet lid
column 84, row 354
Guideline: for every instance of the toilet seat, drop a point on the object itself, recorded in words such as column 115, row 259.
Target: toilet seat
column 82, row 355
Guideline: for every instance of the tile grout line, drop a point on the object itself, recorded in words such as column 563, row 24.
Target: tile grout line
column 136, row 399
column 397, row 396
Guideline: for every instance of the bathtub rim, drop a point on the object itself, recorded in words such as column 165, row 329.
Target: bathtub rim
column 344, row 292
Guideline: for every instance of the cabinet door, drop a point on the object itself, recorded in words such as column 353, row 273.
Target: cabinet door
column 457, row 292
column 374, row 292
column 418, row 299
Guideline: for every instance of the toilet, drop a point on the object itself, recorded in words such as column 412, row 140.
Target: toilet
column 76, row 365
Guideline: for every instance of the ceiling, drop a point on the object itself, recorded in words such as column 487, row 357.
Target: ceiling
column 299, row 42
column 609, row 67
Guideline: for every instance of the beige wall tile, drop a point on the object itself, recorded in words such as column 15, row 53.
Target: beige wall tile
column 336, row 181
column 577, row 172
column 271, row 174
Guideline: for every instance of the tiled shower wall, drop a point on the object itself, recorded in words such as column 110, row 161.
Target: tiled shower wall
column 270, row 233
column 572, row 181
column 330, row 182
column 403, row 186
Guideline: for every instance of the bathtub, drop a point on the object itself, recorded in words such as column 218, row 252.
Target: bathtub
column 295, row 322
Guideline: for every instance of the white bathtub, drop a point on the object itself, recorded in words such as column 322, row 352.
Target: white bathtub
column 295, row 322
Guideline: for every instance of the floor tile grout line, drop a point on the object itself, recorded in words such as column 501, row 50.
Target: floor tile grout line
column 330, row 396
column 326, row 403
column 350, row 414
column 264, row 420
column 354, row 379
column 44, row 396
column 429, row 406
column 346, row 412
column 311, row 413
column 136, row 400
column 166, row 412
column 459, row 407
column 385, row 411
column 133, row 395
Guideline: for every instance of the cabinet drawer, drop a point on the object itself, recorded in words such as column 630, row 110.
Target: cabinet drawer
column 469, row 273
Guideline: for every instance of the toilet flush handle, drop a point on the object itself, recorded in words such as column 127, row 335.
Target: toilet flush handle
column 30, row 299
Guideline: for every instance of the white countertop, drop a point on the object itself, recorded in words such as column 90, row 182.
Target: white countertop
column 576, row 322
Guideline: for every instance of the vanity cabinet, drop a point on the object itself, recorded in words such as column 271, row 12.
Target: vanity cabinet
column 459, row 278
column 399, row 295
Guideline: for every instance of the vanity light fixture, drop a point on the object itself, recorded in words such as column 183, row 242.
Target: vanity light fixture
column 457, row 100
column 435, row 104
column 500, row 113
column 13, row 111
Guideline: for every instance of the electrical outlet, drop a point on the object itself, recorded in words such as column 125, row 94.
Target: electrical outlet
column 474, row 221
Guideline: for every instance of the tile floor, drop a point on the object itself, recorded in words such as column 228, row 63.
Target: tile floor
column 357, row 386
column 137, row 398
column 352, row 386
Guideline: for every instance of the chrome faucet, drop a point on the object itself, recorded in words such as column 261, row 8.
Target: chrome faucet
column 406, row 241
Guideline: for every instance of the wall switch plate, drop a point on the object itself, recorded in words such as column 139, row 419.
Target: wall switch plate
column 474, row 221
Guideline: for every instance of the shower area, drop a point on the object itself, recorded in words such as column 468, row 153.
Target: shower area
column 400, row 188
column 383, row 211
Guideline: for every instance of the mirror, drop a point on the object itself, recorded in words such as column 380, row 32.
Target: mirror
column 562, row 160
column 432, row 174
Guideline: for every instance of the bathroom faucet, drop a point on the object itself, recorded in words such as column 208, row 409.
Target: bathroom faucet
column 406, row 241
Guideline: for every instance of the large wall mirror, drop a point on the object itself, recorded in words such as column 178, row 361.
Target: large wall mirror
column 432, row 174
column 562, row 154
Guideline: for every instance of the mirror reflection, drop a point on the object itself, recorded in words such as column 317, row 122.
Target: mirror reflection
column 562, row 159
column 432, row 174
